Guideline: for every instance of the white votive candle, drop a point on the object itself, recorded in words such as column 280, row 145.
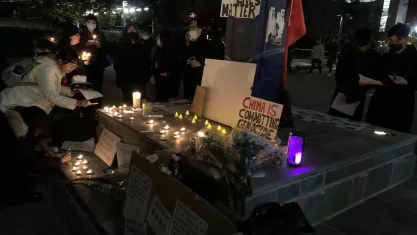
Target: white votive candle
column 74, row 168
column 176, row 133
column 79, row 172
column 80, row 157
column 151, row 121
column 162, row 131
column 176, row 136
column 85, row 162
column 136, row 99
column 182, row 129
column 85, row 167
column 89, row 172
column 77, row 164
column 166, row 127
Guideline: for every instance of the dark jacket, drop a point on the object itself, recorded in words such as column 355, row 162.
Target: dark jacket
column 392, row 106
column 97, row 53
column 165, row 59
column 197, row 49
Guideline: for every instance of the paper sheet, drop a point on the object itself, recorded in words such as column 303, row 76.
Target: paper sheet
column 124, row 153
column 340, row 105
column 106, row 146
column 79, row 79
column 90, row 94
column 186, row 221
column 87, row 146
column 133, row 227
column 137, row 195
column 158, row 218
column 369, row 81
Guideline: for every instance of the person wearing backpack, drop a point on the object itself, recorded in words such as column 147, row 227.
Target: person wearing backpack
column 41, row 87
column 12, row 75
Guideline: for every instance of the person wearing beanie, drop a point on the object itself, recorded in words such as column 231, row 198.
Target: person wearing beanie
column 392, row 105
column 355, row 59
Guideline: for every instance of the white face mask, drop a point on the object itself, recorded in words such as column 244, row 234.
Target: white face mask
column 158, row 42
column 91, row 27
column 145, row 37
column 194, row 34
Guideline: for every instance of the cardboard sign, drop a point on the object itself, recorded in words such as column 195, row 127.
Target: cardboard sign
column 260, row 117
column 106, row 147
column 226, row 82
column 198, row 101
column 177, row 209
column 240, row 8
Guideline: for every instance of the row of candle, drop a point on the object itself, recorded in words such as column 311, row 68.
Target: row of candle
column 77, row 166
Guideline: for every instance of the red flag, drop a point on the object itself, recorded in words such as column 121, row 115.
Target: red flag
column 295, row 30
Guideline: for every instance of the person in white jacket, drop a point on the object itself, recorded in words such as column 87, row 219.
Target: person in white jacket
column 317, row 55
column 41, row 87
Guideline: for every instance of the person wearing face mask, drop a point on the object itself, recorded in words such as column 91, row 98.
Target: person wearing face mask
column 132, row 64
column 392, row 105
column 93, row 41
column 355, row 59
column 165, row 62
column 194, row 55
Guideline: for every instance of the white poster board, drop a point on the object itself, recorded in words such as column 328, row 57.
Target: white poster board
column 240, row 8
column 258, row 116
column 226, row 82
column 124, row 153
column 106, row 147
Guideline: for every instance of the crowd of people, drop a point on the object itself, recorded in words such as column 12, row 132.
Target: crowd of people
column 38, row 93
column 395, row 73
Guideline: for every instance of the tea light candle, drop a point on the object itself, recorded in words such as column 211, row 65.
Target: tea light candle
column 176, row 114
column 120, row 116
column 182, row 129
column 166, row 127
column 131, row 118
column 85, row 56
column 224, row 132
column 162, row 131
column 206, row 123
column 219, row 128
column 106, row 109
column 195, row 117
column 80, row 157
column 136, row 99
column 201, row 134
column 193, row 121
column 78, row 172
column 124, row 106
column 74, row 168
column 120, row 107
column 77, row 164
column 115, row 114
column 209, row 126
column 85, row 167
column 176, row 136
column 113, row 107
column 85, row 162
column 94, row 37
column 180, row 117
column 176, row 133
column 151, row 121
column 187, row 113
column 89, row 172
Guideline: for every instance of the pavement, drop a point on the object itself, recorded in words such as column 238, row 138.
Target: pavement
column 391, row 213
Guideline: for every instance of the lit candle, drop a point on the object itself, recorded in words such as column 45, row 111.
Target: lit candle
column 194, row 121
column 106, row 109
column 136, row 99
column 176, row 114
column 224, row 132
column 187, row 113
column 182, row 129
column 176, row 133
column 207, row 123
column 80, row 157
column 85, row 56
column 85, row 167
column 120, row 116
column 94, row 36
column 180, row 117
column 151, row 121
column 176, row 136
column 74, row 168
column 77, row 164
column 115, row 114
column 78, row 172
column 131, row 118
column 219, row 128
column 209, row 126
column 85, row 162
column 89, row 172
column 201, row 134
column 114, row 106
column 195, row 117
column 120, row 107
column 162, row 131
column 166, row 127
column 52, row 39
column 124, row 106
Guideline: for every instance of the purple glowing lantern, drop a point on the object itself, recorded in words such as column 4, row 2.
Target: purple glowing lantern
column 295, row 149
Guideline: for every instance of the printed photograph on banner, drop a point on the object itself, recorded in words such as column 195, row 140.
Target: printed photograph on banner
column 240, row 8
column 260, row 117
column 275, row 27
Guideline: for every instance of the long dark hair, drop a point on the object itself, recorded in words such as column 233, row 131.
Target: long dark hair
column 85, row 34
column 124, row 33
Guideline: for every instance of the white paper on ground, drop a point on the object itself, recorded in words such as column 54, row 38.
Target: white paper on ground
column 124, row 153
column 340, row 105
column 158, row 218
column 106, row 146
column 369, row 81
column 186, row 221
column 79, row 79
column 137, row 195
column 87, row 146
column 90, row 94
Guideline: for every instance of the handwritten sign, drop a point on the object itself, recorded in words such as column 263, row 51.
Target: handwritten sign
column 106, row 146
column 158, row 218
column 186, row 221
column 124, row 153
column 260, row 117
column 240, row 8
column 137, row 195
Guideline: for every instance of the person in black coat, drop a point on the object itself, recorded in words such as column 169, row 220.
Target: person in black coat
column 392, row 105
column 355, row 59
column 193, row 58
column 165, row 62
column 332, row 48
column 132, row 64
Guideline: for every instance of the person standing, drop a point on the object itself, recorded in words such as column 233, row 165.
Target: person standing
column 317, row 55
column 354, row 60
column 332, row 48
column 194, row 55
column 392, row 105
column 94, row 42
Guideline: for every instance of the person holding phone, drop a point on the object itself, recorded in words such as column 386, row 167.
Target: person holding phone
column 392, row 105
column 195, row 53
